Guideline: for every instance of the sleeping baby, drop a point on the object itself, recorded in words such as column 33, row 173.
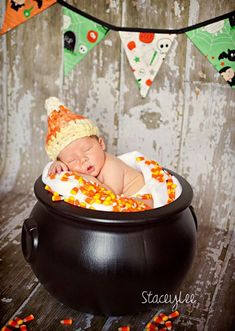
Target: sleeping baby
column 74, row 144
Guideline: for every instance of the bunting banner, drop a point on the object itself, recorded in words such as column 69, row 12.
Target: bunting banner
column 217, row 42
column 19, row 11
column 145, row 48
column 80, row 36
column 146, row 52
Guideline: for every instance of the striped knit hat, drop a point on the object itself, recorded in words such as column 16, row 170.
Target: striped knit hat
column 64, row 127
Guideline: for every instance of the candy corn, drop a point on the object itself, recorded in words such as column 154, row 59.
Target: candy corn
column 56, row 198
column 5, row 328
column 28, row 318
column 163, row 321
column 124, row 328
column 163, row 317
column 19, row 320
column 151, row 327
column 68, row 321
column 13, row 323
column 48, row 188
column 17, row 323
column 139, row 158
column 174, row 314
column 168, row 325
column 74, row 190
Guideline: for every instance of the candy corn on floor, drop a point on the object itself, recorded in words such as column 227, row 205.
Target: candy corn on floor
column 211, row 280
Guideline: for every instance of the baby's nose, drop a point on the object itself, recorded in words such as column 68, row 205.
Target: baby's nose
column 83, row 159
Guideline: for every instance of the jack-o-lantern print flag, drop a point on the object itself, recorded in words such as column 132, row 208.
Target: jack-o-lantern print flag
column 20, row 11
column 146, row 52
column 80, row 36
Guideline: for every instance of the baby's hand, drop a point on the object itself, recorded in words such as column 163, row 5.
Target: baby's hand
column 56, row 168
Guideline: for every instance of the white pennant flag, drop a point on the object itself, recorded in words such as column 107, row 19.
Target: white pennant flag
column 146, row 52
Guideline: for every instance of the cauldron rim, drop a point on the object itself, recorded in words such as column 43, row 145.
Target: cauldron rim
column 97, row 216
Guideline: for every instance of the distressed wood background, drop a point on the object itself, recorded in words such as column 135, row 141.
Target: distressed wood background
column 186, row 123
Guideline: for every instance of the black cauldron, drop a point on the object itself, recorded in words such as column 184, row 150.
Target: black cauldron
column 102, row 262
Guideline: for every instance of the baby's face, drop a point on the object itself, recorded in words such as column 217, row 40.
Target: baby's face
column 228, row 74
column 85, row 155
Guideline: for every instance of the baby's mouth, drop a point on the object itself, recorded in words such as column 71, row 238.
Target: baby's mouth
column 90, row 169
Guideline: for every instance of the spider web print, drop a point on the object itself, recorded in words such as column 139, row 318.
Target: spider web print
column 217, row 42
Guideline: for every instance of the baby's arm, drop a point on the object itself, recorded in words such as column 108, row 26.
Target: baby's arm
column 113, row 174
column 95, row 180
column 58, row 166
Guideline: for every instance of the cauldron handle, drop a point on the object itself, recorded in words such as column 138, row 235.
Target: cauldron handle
column 194, row 216
column 29, row 239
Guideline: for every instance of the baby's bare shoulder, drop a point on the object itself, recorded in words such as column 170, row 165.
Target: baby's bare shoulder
column 114, row 164
column 120, row 167
column 113, row 173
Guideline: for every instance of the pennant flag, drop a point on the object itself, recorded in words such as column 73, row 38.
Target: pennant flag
column 217, row 42
column 80, row 36
column 19, row 11
column 146, row 52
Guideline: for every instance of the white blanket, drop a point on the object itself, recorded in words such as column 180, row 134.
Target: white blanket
column 157, row 189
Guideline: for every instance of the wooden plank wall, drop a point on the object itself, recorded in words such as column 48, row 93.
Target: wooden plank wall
column 186, row 123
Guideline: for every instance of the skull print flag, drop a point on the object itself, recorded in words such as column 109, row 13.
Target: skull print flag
column 146, row 52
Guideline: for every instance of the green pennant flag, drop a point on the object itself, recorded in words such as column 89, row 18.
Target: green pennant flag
column 217, row 42
column 80, row 36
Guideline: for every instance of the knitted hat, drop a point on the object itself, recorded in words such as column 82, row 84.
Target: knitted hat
column 64, row 127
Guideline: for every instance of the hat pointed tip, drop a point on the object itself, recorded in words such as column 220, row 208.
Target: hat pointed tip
column 51, row 104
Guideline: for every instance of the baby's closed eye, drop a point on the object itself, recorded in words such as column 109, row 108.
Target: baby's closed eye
column 72, row 161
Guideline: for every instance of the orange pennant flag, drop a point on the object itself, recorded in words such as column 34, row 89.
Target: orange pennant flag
column 19, row 11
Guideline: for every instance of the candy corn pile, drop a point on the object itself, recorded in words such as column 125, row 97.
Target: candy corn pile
column 159, row 322
column 159, row 175
column 87, row 194
column 95, row 195
column 18, row 323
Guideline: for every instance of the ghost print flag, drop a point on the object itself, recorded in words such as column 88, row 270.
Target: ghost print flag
column 146, row 52
column 80, row 36
column 217, row 42
column 20, row 11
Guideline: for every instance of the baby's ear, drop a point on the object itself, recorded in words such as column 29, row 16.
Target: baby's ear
column 102, row 143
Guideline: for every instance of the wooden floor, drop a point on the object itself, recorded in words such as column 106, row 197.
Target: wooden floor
column 211, row 280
